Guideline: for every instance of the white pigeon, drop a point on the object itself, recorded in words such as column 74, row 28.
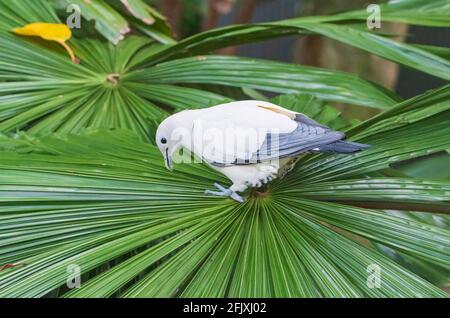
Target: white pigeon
column 248, row 141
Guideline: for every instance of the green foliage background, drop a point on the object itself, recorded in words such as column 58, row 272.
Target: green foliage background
column 81, row 182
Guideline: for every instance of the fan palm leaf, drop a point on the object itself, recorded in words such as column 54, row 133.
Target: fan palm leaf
column 81, row 184
column 105, row 199
column 43, row 91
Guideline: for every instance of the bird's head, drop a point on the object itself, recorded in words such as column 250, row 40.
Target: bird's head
column 169, row 137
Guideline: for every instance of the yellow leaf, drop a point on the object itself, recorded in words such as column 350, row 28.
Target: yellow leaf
column 48, row 31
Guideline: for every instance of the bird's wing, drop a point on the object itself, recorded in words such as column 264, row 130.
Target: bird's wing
column 248, row 132
column 299, row 117
column 306, row 137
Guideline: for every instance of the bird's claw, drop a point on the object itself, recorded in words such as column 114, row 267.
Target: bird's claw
column 224, row 192
column 237, row 197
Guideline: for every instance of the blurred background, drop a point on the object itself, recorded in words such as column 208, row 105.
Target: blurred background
column 188, row 17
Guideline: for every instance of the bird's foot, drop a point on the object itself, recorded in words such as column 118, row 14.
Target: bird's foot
column 224, row 192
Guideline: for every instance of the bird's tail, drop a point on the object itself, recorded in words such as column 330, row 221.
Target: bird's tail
column 342, row 146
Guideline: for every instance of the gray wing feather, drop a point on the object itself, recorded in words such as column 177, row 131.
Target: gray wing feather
column 304, row 138
column 308, row 136
column 308, row 121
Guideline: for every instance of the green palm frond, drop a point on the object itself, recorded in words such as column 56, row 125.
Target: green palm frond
column 339, row 27
column 18, row 13
column 105, row 199
column 115, row 19
column 112, row 19
column 42, row 91
column 81, row 184
column 418, row 12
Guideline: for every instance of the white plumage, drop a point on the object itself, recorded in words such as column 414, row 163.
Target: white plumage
column 247, row 141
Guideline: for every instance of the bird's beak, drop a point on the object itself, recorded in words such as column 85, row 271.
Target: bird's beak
column 168, row 160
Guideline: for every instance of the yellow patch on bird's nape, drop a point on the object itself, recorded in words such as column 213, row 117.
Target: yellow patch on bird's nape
column 280, row 110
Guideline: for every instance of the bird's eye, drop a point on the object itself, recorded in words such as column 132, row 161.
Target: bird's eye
column 163, row 140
